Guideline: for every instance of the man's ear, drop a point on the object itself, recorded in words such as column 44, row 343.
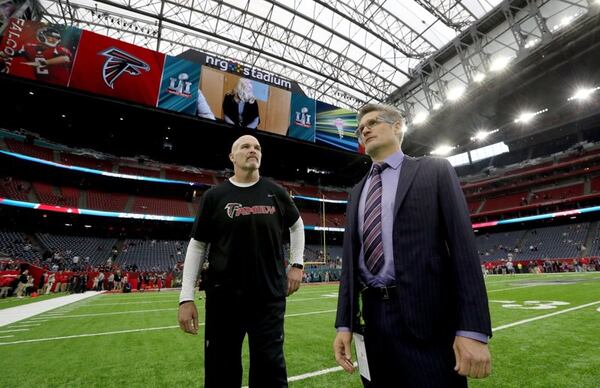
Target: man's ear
column 231, row 157
column 397, row 127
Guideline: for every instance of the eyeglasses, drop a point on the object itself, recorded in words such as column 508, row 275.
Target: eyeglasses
column 369, row 124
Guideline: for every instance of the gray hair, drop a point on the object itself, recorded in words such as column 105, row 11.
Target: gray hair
column 387, row 113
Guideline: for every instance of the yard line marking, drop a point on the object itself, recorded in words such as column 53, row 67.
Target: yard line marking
column 132, row 330
column 304, row 299
column 174, row 301
column 13, row 330
column 112, row 313
column 91, row 335
column 7, row 336
column 311, row 313
column 514, row 288
column 544, row 316
column 314, row 374
column 14, row 327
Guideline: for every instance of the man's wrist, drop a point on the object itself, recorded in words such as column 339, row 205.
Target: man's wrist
column 297, row 265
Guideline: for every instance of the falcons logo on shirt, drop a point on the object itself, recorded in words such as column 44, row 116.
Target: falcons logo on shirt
column 119, row 62
column 231, row 208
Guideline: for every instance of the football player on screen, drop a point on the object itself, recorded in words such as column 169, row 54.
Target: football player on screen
column 52, row 62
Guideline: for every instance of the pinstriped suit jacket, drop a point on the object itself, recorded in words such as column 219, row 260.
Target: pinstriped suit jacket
column 438, row 274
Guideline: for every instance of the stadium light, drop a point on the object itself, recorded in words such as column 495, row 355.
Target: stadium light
column 528, row 116
column 479, row 77
column 437, row 105
column 456, row 93
column 532, row 42
column 481, row 135
column 442, row 150
column 420, row 118
column 500, row 64
column 583, row 94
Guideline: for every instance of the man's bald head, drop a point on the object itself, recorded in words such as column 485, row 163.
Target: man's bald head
column 243, row 139
column 245, row 153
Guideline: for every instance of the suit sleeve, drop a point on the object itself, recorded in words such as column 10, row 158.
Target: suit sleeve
column 344, row 308
column 473, row 311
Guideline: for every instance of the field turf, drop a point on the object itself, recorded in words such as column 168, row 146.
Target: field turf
column 546, row 334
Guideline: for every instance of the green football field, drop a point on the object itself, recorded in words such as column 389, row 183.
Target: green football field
column 546, row 334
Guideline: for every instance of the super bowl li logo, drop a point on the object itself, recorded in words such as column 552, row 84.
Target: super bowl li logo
column 303, row 118
column 180, row 86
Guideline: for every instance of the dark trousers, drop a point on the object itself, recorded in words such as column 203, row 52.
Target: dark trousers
column 228, row 319
column 398, row 359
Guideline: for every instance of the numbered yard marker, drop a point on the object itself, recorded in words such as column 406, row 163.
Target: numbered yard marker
column 535, row 305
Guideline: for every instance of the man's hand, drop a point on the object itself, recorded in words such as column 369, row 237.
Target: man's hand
column 188, row 317
column 343, row 351
column 294, row 277
column 473, row 358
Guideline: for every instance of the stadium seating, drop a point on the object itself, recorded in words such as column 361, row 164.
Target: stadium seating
column 337, row 195
column 29, row 149
column 204, row 177
column 171, row 207
column 311, row 218
column 595, row 185
column 559, row 193
column 130, row 170
column 84, row 161
column 554, row 242
column 98, row 249
column 497, row 245
column 14, row 189
column 14, row 245
column 106, row 201
column 504, row 202
column 149, row 255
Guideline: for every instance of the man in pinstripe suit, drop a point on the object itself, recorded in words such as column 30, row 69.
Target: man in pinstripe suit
column 411, row 279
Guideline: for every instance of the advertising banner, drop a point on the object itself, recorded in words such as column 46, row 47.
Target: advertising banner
column 38, row 51
column 303, row 117
column 179, row 87
column 336, row 127
column 117, row 69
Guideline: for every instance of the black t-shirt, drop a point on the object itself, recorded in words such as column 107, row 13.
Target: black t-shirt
column 245, row 227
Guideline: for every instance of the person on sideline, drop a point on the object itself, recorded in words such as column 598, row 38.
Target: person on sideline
column 410, row 260
column 243, row 221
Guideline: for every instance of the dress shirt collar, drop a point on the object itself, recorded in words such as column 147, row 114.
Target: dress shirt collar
column 393, row 161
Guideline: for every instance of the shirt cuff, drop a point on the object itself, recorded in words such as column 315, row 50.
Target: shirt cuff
column 483, row 338
column 342, row 329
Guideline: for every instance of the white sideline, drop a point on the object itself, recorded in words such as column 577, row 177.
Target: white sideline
column 18, row 313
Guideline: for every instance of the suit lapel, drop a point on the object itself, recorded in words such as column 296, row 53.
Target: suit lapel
column 407, row 175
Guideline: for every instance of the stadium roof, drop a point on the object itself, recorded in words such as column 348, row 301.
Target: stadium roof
column 345, row 52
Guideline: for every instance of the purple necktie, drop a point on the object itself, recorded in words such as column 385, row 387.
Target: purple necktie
column 372, row 241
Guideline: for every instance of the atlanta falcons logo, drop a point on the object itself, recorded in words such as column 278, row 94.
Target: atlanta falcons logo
column 231, row 208
column 119, row 62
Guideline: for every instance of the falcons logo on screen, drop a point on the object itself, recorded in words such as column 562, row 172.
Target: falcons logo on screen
column 119, row 62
